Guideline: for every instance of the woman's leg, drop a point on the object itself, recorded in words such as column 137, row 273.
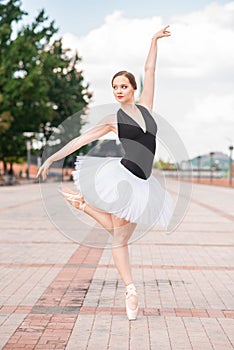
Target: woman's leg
column 100, row 216
column 122, row 232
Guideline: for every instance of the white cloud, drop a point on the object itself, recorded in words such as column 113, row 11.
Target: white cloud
column 212, row 108
column 203, row 41
column 195, row 68
column 209, row 125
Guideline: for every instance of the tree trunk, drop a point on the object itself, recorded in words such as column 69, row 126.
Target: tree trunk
column 11, row 172
column 4, row 167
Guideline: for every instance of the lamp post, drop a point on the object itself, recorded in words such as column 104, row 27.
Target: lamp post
column 230, row 165
column 211, row 166
column 28, row 145
column 198, row 168
column 28, row 134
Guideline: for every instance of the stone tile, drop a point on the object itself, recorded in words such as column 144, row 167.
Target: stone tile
column 55, row 294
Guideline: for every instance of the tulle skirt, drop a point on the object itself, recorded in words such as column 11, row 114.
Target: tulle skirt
column 108, row 186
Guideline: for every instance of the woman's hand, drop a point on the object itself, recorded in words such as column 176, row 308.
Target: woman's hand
column 162, row 33
column 44, row 169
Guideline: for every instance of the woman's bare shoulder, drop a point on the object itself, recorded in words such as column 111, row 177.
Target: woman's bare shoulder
column 150, row 109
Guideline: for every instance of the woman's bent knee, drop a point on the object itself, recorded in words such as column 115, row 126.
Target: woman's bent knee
column 120, row 239
column 123, row 230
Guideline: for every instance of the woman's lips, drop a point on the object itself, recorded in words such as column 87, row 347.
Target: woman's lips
column 119, row 97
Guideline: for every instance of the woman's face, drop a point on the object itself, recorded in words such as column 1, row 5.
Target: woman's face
column 123, row 90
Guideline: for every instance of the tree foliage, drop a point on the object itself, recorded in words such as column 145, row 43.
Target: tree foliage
column 40, row 85
column 160, row 164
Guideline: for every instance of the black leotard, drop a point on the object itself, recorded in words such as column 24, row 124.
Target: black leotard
column 139, row 146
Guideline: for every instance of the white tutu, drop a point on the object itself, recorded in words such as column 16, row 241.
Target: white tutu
column 107, row 185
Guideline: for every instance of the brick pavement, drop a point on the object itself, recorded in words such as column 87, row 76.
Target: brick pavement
column 55, row 294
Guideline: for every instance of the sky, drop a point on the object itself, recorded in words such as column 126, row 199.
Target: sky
column 195, row 66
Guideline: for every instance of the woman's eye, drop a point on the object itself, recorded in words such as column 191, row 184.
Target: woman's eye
column 122, row 87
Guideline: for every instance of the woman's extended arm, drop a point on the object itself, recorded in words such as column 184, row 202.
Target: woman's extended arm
column 147, row 95
column 93, row 134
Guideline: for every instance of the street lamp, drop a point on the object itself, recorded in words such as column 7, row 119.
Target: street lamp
column 230, row 165
column 211, row 166
column 198, row 168
column 28, row 147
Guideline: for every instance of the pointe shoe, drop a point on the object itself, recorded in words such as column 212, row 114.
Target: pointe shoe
column 131, row 313
column 74, row 199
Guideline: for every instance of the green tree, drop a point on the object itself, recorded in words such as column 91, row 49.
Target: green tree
column 5, row 121
column 39, row 83
column 8, row 15
column 160, row 164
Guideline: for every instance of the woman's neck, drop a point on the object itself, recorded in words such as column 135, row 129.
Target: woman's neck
column 128, row 105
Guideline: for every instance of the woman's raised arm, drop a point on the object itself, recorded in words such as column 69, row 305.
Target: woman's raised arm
column 147, row 95
column 102, row 128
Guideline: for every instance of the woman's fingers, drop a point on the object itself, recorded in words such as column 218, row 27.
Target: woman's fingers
column 165, row 31
column 42, row 171
column 165, row 28
column 38, row 173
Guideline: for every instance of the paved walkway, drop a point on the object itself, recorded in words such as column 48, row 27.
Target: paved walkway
column 55, row 294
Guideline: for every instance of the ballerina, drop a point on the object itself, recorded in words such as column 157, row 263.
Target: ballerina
column 136, row 129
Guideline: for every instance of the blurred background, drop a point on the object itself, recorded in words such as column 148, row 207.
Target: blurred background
column 57, row 59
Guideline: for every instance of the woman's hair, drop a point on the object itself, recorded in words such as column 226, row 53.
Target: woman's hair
column 128, row 75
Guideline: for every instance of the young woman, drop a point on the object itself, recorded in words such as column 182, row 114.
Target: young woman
column 147, row 200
